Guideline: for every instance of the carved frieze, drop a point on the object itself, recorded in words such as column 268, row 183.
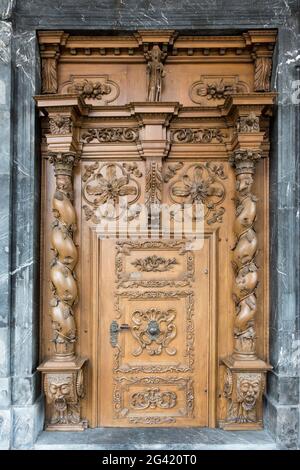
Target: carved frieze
column 111, row 134
column 201, row 183
column 104, row 189
column 197, row 136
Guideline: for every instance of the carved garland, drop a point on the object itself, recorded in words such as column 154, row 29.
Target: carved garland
column 244, row 252
column 63, row 281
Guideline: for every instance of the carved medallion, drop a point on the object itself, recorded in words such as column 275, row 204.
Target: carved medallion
column 248, row 123
column 154, row 329
column 201, row 183
column 107, row 185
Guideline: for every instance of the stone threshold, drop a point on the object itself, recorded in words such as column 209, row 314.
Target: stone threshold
column 155, row 439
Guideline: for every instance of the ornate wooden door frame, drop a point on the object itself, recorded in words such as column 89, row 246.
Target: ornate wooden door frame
column 235, row 128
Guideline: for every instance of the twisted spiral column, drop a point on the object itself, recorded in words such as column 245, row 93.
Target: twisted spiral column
column 244, row 252
column 63, row 281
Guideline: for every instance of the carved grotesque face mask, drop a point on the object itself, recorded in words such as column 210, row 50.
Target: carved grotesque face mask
column 248, row 391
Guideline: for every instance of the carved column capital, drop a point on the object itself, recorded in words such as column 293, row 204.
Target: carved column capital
column 244, row 160
column 63, row 162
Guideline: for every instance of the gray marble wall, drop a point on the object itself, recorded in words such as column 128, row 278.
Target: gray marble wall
column 21, row 411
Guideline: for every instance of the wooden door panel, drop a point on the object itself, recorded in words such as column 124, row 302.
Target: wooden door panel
column 150, row 371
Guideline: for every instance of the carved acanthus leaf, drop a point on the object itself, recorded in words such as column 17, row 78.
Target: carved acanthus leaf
column 60, row 124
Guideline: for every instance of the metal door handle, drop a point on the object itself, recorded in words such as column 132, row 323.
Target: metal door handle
column 114, row 331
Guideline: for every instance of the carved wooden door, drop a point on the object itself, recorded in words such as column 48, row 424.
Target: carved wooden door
column 149, row 329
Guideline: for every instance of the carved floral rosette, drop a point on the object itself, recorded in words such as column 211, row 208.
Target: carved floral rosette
column 244, row 252
column 243, row 391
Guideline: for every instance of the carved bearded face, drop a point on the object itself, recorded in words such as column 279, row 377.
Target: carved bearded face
column 60, row 389
column 248, row 390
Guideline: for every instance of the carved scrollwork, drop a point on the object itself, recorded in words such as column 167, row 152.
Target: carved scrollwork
column 108, row 184
column 63, row 281
column 153, row 398
column 111, row 134
column 244, row 251
column 154, row 330
column 172, row 169
column 155, row 73
column 201, row 184
column 196, row 136
column 60, row 124
column 154, row 263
